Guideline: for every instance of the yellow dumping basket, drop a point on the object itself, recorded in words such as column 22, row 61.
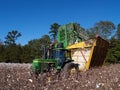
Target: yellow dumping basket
column 89, row 53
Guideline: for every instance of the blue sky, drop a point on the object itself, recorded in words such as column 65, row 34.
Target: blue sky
column 33, row 17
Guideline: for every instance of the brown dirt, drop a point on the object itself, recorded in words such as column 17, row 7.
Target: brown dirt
column 19, row 77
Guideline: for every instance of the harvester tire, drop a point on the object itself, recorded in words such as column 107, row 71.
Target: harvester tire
column 68, row 67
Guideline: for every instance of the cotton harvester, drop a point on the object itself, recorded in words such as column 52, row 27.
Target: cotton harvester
column 72, row 50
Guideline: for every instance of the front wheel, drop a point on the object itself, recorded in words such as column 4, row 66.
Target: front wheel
column 70, row 68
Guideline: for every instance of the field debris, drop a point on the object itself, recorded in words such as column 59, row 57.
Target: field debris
column 19, row 77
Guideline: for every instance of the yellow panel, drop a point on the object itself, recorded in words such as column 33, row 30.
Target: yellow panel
column 79, row 45
column 91, row 53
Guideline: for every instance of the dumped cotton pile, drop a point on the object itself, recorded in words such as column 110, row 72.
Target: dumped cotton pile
column 19, row 77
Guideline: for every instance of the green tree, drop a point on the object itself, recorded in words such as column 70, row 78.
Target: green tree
column 53, row 30
column 1, row 50
column 104, row 29
column 113, row 55
column 45, row 40
column 12, row 37
column 26, row 56
column 118, row 32
column 11, row 53
column 1, row 43
column 37, row 44
column 1, row 53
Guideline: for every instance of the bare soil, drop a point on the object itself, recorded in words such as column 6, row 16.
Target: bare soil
column 19, row 77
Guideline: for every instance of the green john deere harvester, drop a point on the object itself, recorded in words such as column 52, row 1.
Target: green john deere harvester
column 72, row 50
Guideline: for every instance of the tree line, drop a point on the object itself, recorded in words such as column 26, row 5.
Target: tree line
column 10, row 51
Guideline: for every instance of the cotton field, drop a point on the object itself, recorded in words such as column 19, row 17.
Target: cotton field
column 19, row 77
